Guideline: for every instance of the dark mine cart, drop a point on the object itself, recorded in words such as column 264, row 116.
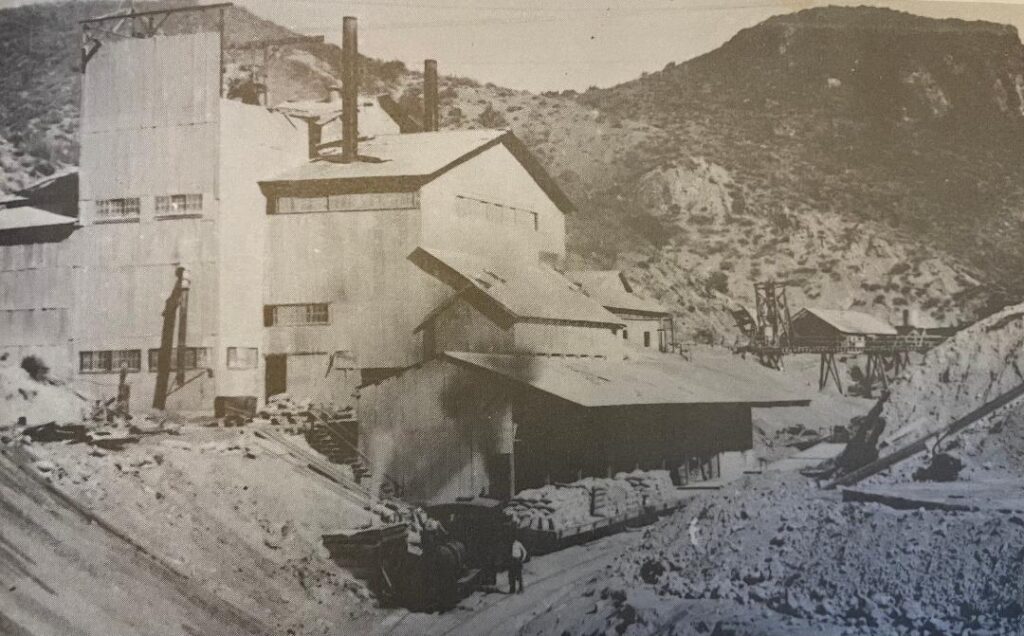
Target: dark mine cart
column 464, row 550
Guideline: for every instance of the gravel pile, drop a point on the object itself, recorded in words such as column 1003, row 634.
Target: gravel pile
column 973, row 367
column 782, row 545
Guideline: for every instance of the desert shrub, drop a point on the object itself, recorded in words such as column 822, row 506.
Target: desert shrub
column 490, row 118
column 899, row 268
column 716, row 282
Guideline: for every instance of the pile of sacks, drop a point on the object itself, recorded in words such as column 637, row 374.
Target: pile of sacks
column 653, row 486
column 551, row 507
column 612, row 497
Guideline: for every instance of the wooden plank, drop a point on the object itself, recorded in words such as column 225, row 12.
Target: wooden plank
column 921, row 443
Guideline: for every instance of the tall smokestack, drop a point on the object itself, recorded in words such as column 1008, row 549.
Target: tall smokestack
column 431, row 112
column 350, row 91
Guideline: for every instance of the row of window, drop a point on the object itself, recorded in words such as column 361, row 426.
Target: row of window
column 346, row 203
column 129, row 208
column 131, row 359
column 293, row 315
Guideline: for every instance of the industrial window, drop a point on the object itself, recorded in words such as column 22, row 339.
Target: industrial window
column 625, row 334
column 176, row 204
column 118, row 209
column 311, row 314
column 348, row 202
column 647, row 338
column 243, row 357
column 109, row 361
column 195, row 358
column 496, row 213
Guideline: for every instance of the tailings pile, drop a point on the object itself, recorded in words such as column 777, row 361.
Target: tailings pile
column 973, row 367
column 780, row 545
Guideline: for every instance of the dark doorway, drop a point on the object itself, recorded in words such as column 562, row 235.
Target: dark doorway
column 276, row 375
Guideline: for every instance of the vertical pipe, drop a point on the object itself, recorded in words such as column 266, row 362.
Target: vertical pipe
column 431, row 114
column 220, row 30
column 350, row 88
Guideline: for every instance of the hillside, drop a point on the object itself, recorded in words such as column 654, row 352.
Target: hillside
column 866, row 155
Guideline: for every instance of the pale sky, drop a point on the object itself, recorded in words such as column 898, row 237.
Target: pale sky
column 559, row 44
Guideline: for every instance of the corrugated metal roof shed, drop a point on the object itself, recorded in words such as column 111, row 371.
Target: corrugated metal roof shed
column 391, row 156
column 20, row 218
column 413, row 160
column 661, row 380
column 612, row 290
column 851, row 322
column 525, row 290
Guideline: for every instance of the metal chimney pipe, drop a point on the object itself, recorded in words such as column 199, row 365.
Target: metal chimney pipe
column 431, row 106
column 350, row 91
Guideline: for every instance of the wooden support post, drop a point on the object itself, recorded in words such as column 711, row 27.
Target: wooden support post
column 829, row 368
column 179, row 375
column 163, row 366
column 184, row 284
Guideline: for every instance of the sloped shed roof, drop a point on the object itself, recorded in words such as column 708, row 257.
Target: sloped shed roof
column 24, row 217
column 412, row 160
column 612, row 290
column 523, row 290
column 850, row 322
column 600, row 382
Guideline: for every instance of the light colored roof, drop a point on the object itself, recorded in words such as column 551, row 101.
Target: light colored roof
column 323, row 112
column 665, row 379
column 523, row 289
column 414, row 159
column 7, row 198
column 851, row 322
column 612, row 289
column 24, row 217
column 392, row 156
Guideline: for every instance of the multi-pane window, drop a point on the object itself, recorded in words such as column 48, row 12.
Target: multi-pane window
column 303, row 314
column 175, row 204
column 109, row 361
column 347, row 202
column 195, row 358
column 243, row 357
column 118, row 209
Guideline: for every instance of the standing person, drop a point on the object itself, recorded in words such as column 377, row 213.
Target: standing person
column 515, row 568
column 124, row 393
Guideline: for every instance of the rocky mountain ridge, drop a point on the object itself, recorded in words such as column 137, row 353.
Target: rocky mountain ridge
column 870, row 157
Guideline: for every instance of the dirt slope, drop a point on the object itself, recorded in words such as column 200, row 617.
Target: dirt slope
column 63, row 574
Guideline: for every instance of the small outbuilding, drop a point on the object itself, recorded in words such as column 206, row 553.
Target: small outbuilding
column 852, row 329
column 464, row 424
column 647, row 324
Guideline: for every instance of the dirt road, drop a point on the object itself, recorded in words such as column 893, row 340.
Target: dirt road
column 548, row 579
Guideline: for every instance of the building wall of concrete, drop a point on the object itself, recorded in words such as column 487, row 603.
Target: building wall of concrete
column 153, row 98
column 462, row 328
column 150, row 127
column 255, row 144
column 34, row 302
column 357, row 262
column 434, row 428
column 496, row 177
column 318, row 378
column 635, row 329
column 566, row 339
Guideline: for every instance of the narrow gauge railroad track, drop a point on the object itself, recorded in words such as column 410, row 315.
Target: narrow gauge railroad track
column 508, row 613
